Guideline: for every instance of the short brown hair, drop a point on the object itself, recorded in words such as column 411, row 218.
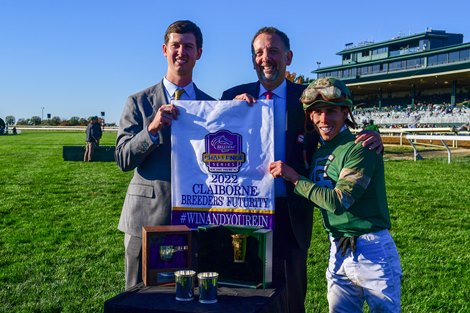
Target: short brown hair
column 183, row 27
column 272, row 31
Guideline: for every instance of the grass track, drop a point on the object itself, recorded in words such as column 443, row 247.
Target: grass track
column 60, row 250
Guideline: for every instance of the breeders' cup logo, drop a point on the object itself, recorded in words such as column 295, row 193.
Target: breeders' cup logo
column 223, row 152
column 222, row 144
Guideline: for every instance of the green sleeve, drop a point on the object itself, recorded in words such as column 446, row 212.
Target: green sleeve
column 356, row 169
column 322, row 197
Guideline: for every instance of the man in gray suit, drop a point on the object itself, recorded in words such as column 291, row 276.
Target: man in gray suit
column 143, row 142
column 271, row 54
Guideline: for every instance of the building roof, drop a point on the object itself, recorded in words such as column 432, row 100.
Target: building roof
column 367, row 45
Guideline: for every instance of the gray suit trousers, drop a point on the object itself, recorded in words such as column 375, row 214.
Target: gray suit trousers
column 132, row 260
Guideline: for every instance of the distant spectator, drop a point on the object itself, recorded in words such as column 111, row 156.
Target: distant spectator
column 424, row 114
column 371, row 126
column 14, row 130
column 365, row 122
column 93, row 136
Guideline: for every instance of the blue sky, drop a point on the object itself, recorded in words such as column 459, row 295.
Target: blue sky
column 81, row 57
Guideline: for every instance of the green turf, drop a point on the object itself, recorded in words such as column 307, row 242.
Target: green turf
column 60, row 250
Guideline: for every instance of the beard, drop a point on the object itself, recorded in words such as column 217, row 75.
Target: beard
column 271, row 77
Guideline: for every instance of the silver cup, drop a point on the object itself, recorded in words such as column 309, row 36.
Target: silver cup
column 184, row 285
column 208, row 287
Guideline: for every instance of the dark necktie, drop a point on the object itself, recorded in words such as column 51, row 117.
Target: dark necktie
column 178, row 93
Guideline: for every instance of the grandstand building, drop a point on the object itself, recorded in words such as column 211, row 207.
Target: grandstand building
column 433, row 66
column 419, row 71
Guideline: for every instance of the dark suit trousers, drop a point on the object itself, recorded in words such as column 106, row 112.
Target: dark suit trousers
column 289, row 260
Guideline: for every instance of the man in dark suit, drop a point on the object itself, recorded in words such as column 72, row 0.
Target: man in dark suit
column 293, row 224
column 93, row 136
column 143, row 142
column 271, row 54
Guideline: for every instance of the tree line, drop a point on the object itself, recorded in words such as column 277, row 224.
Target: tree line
column 53, row 121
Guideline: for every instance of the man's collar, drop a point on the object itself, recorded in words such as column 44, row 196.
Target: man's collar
column 170, row 87
column 279, row 91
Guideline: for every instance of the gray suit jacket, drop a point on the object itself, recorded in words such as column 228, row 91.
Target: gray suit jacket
column 300, row 215
column 148, row 197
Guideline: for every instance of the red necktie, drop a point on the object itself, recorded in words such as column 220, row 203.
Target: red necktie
column 268, row 95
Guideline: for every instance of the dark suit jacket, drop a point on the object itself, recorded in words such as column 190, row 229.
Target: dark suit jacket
column 148, row 197
column 301, row 216
column 93, row 132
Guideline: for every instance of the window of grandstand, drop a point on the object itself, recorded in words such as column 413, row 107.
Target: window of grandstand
column 349, row 72
column 464, row 55
column 394, row 53
column 412, row 50
column 437, row 59
column 332, row 74
column 396, row 66
column 373, row 69
column 335, row 74
column 415, row 63
column 379, row 53
column 424, row 44
column 442, row 58
column 454, row 56
column 365, row 70
column 383, row 50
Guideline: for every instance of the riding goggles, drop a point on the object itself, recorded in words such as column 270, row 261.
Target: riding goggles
column 326, row 90
column 330, row 93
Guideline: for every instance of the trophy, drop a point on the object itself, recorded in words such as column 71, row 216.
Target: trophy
column 239, row 247
column 167, row 252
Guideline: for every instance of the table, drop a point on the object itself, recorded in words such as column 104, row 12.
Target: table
column 230, row 300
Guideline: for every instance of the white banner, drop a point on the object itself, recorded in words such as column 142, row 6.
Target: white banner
column 221, row 152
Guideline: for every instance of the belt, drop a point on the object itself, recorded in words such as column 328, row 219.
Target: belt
column 344, row 243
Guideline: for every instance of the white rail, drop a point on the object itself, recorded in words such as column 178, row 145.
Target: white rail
column 413, row 141
column 402, row 132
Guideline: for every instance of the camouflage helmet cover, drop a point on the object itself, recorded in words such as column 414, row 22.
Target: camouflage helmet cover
column 326, row 90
